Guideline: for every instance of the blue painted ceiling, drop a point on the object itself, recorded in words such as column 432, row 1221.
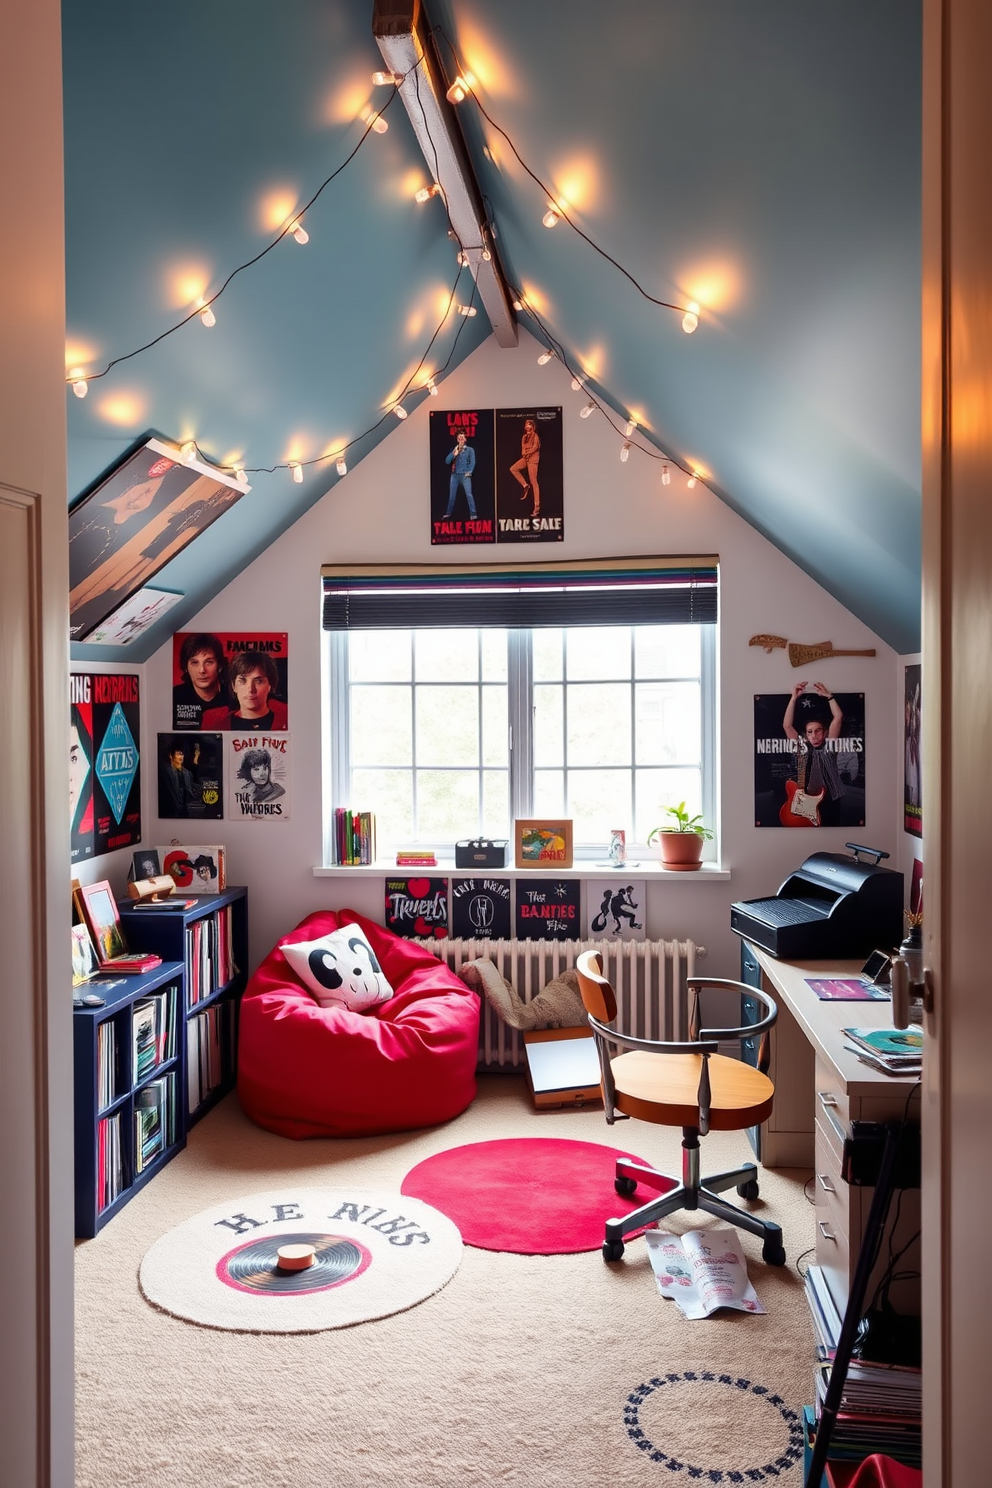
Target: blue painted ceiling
column 763, row 160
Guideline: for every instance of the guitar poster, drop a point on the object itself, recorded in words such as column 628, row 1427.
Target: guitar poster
column 809, row 758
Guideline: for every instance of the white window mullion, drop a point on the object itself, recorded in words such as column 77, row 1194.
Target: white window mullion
column 520, row 711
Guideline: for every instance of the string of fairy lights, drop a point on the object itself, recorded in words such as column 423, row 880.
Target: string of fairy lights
column 461, row 88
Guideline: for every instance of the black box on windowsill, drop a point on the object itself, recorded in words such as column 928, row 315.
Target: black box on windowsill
column 481, row 853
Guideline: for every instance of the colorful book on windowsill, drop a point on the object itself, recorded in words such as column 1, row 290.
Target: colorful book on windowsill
column 414, row 858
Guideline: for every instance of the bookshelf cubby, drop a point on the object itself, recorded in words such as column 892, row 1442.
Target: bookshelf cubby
column 142, row 1078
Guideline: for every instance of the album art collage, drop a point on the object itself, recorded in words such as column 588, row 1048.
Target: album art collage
column 229, row 751
column 545, row 908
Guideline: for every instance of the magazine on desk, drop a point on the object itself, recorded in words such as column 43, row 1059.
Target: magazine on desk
column 847, row 989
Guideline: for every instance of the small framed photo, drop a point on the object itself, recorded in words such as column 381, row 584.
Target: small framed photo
column 100, row 909
column 83, row 956
column 542, row 844
column 145, row 863
column 196, row 870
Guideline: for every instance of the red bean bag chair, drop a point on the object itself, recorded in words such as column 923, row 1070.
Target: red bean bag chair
column 311, row 1071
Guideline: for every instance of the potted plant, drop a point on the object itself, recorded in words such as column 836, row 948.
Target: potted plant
column 681, row 840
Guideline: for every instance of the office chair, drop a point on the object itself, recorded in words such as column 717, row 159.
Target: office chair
column 684, row 1084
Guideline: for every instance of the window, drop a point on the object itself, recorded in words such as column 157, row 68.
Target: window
column 449, row 733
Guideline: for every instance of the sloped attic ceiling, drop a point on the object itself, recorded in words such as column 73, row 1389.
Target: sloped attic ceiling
column 761, row 160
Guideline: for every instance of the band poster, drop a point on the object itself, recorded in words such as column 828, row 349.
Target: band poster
column 480, row 908
column 548, row 908
column 259, row 773
column 809, row 757
column 191, row 777
column 236, row 681
column 913, row 797
column 615, row 908
column 496, row 476
column 417, row 907
column 104, row 763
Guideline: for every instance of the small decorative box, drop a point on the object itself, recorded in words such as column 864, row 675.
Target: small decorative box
column 481, row 853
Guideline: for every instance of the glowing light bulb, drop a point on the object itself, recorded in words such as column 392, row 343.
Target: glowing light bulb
column 518, row 305
column 379, row 124
column 188, row 451
column 578, row 383
column 297, row 470
column 467, row 310
column 486, row 256
column 431, row 386
column 341, row 465
column 625, row 452
column 300, row 233
column 551, row 217
column 458, row 91
column 544, row 358
column 690, row 319
column 426, row 192
column 242, row 475
column 383, row 79
column 690, row 483
column 206, row 314
column 631, row 427
column 589, row 408
column 79, row 384
column 462, row 257
column 400, row 411
column 666, row 475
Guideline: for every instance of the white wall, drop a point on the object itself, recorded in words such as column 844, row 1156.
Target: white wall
column 380, row 511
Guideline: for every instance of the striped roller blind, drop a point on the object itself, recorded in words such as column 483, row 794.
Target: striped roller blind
column 606, row 591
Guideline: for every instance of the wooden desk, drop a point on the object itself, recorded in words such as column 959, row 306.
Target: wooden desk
column 820, row 1089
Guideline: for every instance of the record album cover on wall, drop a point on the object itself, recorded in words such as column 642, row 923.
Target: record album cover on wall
column 235, row 681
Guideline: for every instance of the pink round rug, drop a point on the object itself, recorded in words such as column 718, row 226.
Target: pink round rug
column 529, row 1195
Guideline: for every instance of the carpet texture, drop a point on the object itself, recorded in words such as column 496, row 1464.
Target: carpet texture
column 524, row 1371
column 529, row 1195
column 377, row 1253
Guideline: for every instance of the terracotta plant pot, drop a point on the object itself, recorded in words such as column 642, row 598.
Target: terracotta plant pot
column 682, row 851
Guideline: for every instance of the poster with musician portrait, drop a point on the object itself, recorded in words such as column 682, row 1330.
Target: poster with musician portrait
column 530, row 500
column 463, row 498
column 809, row 758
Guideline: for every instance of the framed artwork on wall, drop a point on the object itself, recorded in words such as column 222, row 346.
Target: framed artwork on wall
column 542, row 844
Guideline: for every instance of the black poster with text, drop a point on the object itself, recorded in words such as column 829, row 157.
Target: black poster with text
column 417, row 907
column 116, row 772
column 480, row 908
column 809, row 758
column 548, row 908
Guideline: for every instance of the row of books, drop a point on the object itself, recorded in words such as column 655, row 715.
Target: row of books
column 153, row 1032
column 209, row 953
column 209, row 1052
column 154, row 1120
column 354, row 837
column 110, row 1161
column 106, row 1064
column 881, row 1408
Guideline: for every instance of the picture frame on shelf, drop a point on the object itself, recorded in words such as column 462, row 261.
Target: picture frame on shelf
column 145, row 863
column 196, row 870
column 84, row 963
column 542, row 842
column 100, row 913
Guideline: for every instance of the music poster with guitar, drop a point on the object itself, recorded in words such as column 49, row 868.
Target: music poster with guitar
column 809, row 757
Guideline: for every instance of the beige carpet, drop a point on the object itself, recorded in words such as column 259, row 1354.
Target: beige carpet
column 518, row 1372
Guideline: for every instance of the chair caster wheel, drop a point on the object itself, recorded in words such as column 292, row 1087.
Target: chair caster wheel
column 773, row 1253
column 625, row 1186
column 613, row 1250
column 748, row 1190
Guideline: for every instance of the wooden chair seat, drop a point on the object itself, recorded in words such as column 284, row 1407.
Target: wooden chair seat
column 662, row 1088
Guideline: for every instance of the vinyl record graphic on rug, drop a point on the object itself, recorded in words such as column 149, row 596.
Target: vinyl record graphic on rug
column 376, row 1253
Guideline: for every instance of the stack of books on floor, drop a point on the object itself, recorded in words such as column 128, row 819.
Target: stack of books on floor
column 354, row 837
column 893, row 1051
column 881, row 1409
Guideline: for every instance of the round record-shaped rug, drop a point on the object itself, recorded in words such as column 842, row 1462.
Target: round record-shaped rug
column 376, row 1253
column 529, row 1195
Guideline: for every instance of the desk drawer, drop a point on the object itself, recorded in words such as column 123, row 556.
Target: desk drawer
column 837, row 1215
column 831, row 1106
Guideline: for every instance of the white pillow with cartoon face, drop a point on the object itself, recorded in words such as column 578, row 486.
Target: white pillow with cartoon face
column 340, row 969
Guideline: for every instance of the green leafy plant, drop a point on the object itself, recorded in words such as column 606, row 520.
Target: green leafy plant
column 680, row 821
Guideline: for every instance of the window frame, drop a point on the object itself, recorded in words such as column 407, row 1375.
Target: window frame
column 337, row 745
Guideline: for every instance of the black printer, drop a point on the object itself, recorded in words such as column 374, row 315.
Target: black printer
column 831, row 908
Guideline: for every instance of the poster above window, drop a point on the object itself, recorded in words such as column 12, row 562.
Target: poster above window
column 496, row 476
column 137, row 517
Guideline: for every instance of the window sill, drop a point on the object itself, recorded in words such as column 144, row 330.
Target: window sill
column 650, row 869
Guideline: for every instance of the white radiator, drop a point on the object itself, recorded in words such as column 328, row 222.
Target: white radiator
column 648, row 977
